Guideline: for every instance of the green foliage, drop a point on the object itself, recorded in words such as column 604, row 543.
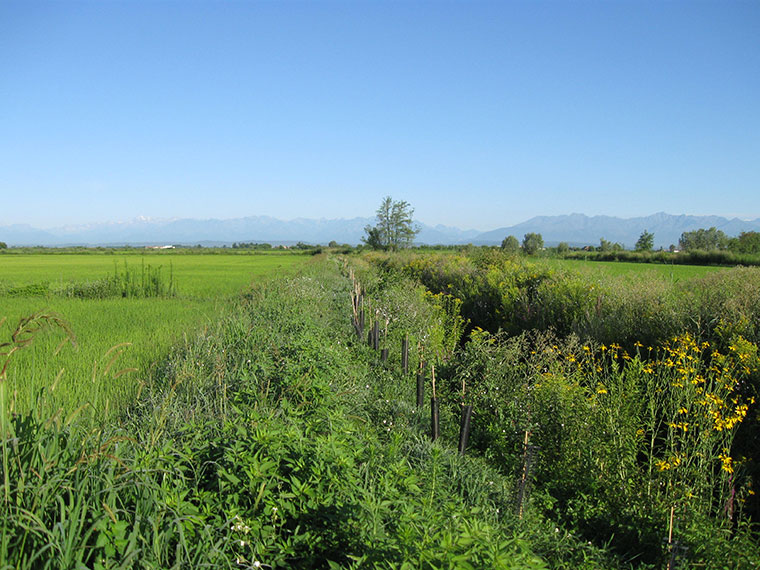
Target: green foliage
column 645, row 241
column 102, row 318
column 746, row 242
column 3, row 245
column 274, row 437
column 252, row 245
column 607, row 246
column 252, row 446
column 622, row 437
column 395, row 228
column 693, row 257
column 703, row 239
column 510, row 244
column 563, row 247
column 532, row 243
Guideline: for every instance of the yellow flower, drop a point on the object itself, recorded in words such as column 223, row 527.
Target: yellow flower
column 726, row 462
column 662, row 465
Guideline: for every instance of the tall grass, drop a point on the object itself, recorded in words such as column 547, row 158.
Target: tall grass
column 640, row 393
column 108, row 311
column 250, row 447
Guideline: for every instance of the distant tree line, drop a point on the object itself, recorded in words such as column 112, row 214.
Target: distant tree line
column 714, row 239
column 251, row 245
column 706, row 240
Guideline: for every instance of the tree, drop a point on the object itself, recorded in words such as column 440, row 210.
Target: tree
column 605, row 245
column 703, row 239
column 563, row 247
column 394, row 229
column 646, row 241
column 532, row 243
column 510, row 244
column 746, row 242
column 3, row 245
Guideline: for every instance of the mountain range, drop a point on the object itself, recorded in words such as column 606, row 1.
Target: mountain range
column 575, row 229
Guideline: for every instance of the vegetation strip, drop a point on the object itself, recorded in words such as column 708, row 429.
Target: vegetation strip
column 279, row 438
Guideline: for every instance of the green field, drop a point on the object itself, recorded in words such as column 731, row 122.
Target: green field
column 611, row 409
column 150, row 325
column 668, row 271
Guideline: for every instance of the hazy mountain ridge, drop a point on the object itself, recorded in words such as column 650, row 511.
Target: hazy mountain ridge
column 579, row 229
column 576, row 229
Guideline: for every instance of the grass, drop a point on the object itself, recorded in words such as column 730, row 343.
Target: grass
column 614, row 268
column 276, row 436
column 150, row 326
column 261, row 444
column 197, row 275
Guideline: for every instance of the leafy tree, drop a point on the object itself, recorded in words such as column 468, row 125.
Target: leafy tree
column 703, row 239
column 563, row 247
column 3, row 245
column 532, row 243
column 746, row 242
column 605, row 245
column 394, row 229
column 646, row 241
column 510, row 244
column 373, row 238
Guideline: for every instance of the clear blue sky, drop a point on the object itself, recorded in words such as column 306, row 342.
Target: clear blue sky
column 480, row 114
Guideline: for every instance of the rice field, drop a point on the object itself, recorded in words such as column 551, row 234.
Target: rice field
column 667, row 271
column 84, row 371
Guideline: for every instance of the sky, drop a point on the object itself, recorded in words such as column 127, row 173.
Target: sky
column 478, row 114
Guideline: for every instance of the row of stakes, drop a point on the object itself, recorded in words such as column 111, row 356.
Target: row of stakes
column 373, row 339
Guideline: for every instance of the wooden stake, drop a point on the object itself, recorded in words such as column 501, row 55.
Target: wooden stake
column 464, row 428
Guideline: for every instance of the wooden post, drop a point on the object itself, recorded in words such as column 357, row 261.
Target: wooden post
column 420, row 389
column 524, row 476
column 464, row 428
column 435, row 430
column 384, row 355
column 376, row 335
